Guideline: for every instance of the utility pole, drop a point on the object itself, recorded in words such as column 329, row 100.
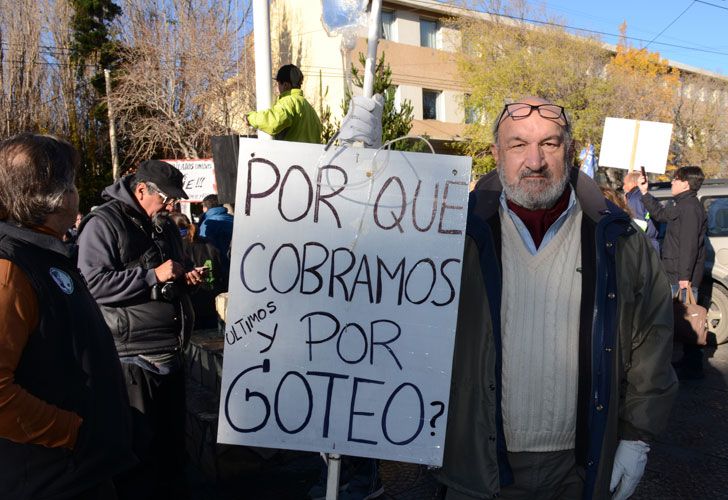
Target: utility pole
column 261, row 43
column 112, row 127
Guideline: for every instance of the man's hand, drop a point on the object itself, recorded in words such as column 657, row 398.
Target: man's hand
column 168, row 271
column 683, row 284
column 194, row 277
column 643, row 184
column 629, row 465
column 363, row 122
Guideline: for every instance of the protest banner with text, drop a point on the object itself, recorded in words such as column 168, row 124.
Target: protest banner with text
column 344, row 287
column 199, row 177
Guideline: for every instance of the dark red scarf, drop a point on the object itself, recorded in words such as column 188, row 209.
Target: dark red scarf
column 539, row 221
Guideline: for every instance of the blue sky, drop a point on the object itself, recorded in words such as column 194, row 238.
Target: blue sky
column 702, row 26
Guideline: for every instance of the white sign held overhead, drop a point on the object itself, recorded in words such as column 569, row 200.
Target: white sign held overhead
column 199, row 177
column 631, row 144
column 345, row 275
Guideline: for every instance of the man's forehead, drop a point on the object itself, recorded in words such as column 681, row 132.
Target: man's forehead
column 533, row 100
column 533, row 124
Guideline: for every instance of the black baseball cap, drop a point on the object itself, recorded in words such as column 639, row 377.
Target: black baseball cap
column 166, row 177
column 290, row 74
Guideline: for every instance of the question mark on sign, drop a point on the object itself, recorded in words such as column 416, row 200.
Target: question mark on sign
column 436, row 415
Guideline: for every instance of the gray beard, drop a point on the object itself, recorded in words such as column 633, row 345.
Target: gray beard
column 535, row 200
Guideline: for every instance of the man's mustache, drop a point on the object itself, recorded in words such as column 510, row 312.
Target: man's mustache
column 542, row 173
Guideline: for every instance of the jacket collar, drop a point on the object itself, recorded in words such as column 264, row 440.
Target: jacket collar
column 211, row 212
column 35, row 238
column 487, row 195
column 686, row 194
column 290, row 92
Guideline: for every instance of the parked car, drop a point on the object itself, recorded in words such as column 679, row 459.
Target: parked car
column 713, row 292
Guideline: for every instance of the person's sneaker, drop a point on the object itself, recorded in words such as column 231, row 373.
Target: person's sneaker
column 364, row 485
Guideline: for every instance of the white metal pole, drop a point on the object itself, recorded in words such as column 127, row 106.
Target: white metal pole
column 373, row 40
column 332, row 479
column 263, row 72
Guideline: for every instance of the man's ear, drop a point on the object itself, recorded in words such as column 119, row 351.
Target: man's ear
column 139, row 190
column 571, row 154
column 494, row 151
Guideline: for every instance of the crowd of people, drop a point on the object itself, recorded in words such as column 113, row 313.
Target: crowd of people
column 562, row 368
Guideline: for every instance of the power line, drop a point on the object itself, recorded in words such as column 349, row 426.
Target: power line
column 673, row 22
column 712, row 4
column 597, row 32
column 585, row 30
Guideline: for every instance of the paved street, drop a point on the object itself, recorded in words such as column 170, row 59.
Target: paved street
column 689, row 460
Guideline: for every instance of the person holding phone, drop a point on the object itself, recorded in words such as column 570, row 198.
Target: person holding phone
column 640, row 214
column 683, row 249
column 131, row 256
column 212, row 267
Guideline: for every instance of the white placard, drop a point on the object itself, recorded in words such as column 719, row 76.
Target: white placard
column 631, row 144
column 344, row 287
column 199, row 180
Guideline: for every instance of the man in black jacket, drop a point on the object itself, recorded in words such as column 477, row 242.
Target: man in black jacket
column 65, row 424
column 683, row 249
column 131, row 256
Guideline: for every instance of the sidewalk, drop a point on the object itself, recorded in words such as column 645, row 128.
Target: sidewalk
column 688, row 461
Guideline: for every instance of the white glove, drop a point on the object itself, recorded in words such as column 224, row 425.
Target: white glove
column 629, row 465
column 363, row 122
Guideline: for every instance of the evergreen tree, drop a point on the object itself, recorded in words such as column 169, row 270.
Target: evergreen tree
column 92, row 50
column 395, row 123
column 92, row 41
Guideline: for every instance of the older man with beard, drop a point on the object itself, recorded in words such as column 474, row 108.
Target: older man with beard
column 561, row 372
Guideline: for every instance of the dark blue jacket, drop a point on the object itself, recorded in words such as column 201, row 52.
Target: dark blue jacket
column 217, row 228
column 634, row 200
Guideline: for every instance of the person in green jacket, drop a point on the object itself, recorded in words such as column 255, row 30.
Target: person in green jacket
column 291, row 118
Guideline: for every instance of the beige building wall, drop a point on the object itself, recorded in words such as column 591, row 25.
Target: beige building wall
column 298, row 37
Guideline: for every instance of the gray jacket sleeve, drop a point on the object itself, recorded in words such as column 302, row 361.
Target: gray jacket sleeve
column 100, row 264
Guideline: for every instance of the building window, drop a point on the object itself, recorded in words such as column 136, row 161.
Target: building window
column 387, row 24
column 428, row 33
column 430, row 101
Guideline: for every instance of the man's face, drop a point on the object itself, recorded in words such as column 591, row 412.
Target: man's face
column 628, row 184
column 531, row 157
column 677, row 186
column 151, row 201
column 69, row 209
column 283, row 86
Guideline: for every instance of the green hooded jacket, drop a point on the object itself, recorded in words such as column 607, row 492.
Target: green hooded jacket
column 291, row 118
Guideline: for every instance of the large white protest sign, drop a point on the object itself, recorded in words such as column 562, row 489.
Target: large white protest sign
column 631, row 144
column 199, row 177
column 344, row 287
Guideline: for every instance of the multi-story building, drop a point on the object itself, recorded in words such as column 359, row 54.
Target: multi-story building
column 419, row 47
